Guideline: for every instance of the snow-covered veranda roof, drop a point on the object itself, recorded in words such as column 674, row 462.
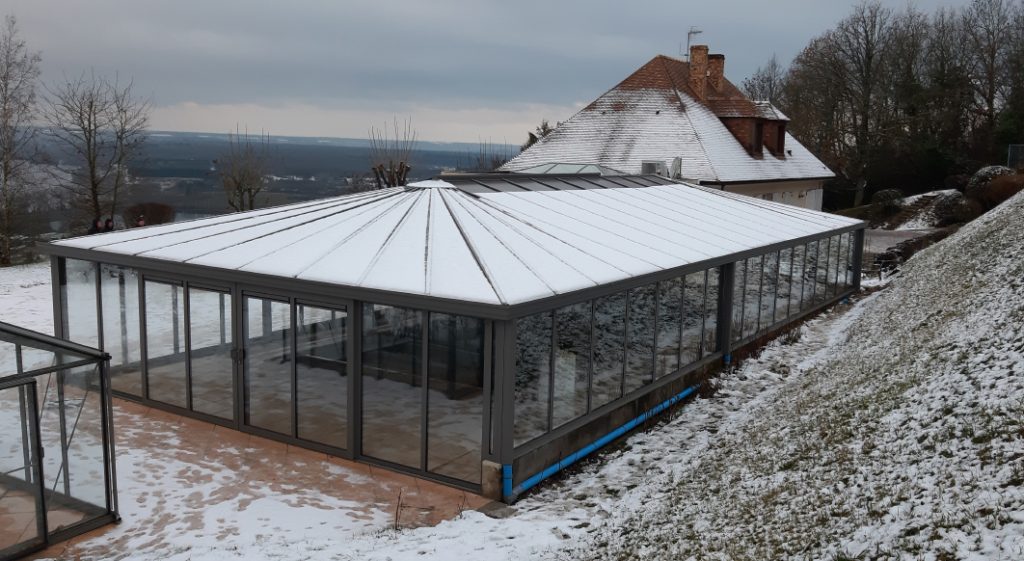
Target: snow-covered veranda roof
column 500, row 242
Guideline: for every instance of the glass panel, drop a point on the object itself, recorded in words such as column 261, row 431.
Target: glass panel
column 810, row 276
column 752, row 296
column 670, row 320
column 533, row 376
column 738, row 289
column 268, row 365
column 83, row 411
column 455, row 400
column 797, row 280
column 8, row 358
column 21, row 505
column 392, row 384
column 572, row 363
column 321, row 362
column 609, row 349
column 693, row 316
column 121, row 332
column 784, row 286
column 711, row 312
column 211, row 341
column 640, row 337
column 165, row 343
column 768, row 282
column 848, row 252
column 833, row 267
column 821, row 280
column 79, row 296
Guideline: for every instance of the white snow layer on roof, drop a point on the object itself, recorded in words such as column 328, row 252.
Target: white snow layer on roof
column 500, row 248
column 625, row 128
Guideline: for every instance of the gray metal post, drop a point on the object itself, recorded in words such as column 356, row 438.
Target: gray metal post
column 726, row 284
column 858, row 257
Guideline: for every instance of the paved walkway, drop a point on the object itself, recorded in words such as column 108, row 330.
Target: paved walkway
column 186, row 483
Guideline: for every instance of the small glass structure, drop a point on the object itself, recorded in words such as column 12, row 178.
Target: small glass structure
column 56, row 448
column 484, row 331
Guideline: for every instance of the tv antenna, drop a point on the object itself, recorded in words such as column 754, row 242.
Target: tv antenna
column 694, row 31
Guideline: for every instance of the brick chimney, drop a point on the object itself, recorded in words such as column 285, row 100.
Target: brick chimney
column 699, row 71
column 716, row 71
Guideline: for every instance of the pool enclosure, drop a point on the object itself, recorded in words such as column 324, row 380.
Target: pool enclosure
column 57, row 475
column 484, row 331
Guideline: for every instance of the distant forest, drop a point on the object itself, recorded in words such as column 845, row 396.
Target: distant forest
column 905, row 99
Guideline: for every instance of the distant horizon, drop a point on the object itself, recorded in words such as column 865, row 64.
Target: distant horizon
column 436, row 144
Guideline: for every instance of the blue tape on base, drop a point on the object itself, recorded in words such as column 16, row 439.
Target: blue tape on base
column 727, row 359
column 590, row 448
column 506, row 481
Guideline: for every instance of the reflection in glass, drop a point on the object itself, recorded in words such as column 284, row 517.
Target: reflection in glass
column 670, row 320
column 609, row 349
column 121, row 334
column 752, row 296
column 165, row 343
column 572, row 363
column 321, row 364
column 833, row 266
column 268, row 365
column 533, row 376
column 455, row 397
column 392, row 381
column 79, row 295
column 768, row 281
column 810, row 276
column 640, row 337
column 693, row 316
column 797, row 280
column 738, row 286
column 821, row 282
column 784, row 286
column 211, row 340
column 710, row 344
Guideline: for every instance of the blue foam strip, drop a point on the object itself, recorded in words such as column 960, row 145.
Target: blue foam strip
column 592, row 447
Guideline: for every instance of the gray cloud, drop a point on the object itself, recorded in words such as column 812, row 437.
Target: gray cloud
column 381, row 57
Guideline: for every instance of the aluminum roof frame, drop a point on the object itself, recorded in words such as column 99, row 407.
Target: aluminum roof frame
column 503, row 205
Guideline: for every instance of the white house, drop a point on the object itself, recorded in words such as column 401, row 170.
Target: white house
column 684, row 120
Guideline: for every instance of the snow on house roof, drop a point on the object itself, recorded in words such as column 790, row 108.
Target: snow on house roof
column 500, row 240
column 654, row 115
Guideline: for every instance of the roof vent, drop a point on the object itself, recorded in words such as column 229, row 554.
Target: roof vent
column 653, row 167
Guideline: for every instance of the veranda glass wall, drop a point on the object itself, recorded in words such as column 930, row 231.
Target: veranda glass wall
column 56, row 472
column 776, row 287
column 574, row 360
column 282, row 366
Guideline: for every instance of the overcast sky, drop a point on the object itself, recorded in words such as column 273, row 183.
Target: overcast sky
column 463, row 70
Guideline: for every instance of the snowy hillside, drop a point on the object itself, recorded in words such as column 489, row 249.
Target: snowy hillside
column 906, row 442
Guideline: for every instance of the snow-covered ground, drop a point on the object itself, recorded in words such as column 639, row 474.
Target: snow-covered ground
column 892, row 428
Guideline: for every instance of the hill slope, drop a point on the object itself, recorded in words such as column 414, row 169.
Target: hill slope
column 907, row 442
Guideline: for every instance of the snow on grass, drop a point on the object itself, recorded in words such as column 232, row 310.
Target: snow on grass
column 25, row 297
column 905, row 442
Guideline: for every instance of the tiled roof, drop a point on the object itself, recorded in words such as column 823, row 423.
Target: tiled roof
column 653, row 115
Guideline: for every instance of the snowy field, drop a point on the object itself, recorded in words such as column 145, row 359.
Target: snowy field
column 892, row 428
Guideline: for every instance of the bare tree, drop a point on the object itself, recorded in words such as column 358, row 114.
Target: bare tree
column 766, row 83
column 488, row 157
column 243, row 169
column 102, row 125
column 390, row 155
column 19, row 70
column 542, row 130
column 988, row 24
